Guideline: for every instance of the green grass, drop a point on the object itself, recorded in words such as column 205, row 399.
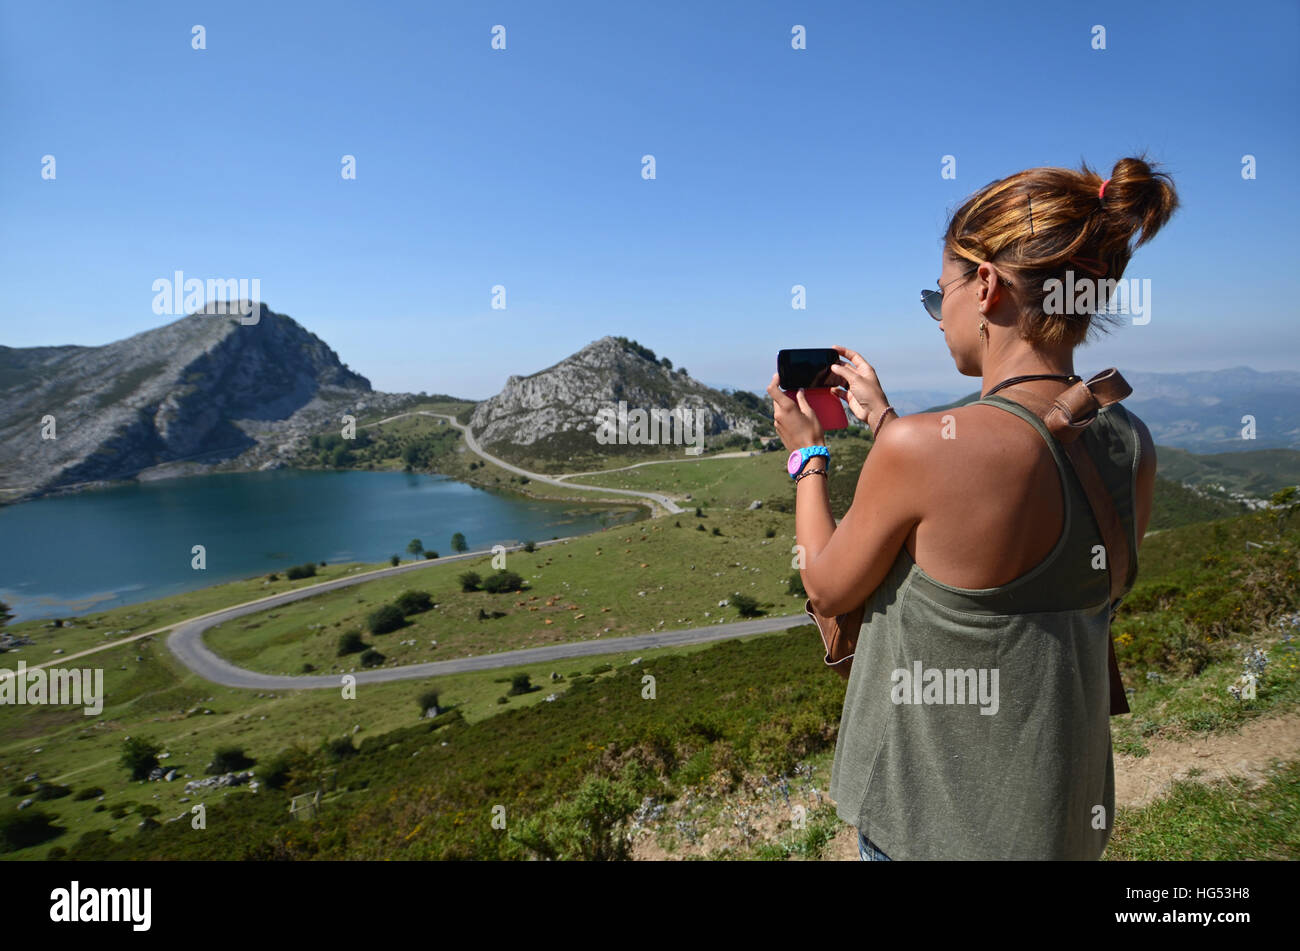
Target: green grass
column 1221, row 821
column 651, row 576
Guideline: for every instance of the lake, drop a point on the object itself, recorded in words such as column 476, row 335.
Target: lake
column 74, row 554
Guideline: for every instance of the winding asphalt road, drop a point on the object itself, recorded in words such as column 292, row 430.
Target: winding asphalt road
column 186, row 639
column 671, row 507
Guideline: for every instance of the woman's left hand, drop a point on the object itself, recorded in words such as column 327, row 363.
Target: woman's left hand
column 796, row 423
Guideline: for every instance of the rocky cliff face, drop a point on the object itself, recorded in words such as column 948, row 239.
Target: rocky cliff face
column 555, row 410
column 201, row 391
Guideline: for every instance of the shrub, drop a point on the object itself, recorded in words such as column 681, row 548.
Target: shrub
column 795, row 585
column 592, row 826
column 297, row 572
column 530, row 546
column 140, row 756
column 701, row 528
column 19, row 830
column 22, row 789
column 47, row 791
column 351, row 643
column 414, row 602
column 699, row 512
column 469, row 581
column 746, row 605
column 502, row 581
column 90, row 792
column 273, row 577
column 277, row 772
column 430, row 554
column 770, row 533
column 716, row 530
column 229, row 759
column 371, row 658
column 395, row 560
column 385, row 619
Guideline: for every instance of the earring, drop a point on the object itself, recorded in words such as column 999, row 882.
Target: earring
column 982, row 326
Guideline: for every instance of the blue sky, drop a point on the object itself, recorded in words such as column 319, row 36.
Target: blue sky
column 522, row 168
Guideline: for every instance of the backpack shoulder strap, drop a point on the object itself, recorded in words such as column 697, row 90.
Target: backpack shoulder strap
column 1066, row 417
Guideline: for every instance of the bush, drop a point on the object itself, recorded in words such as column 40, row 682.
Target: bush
column 530, row 546
column 385, row 619
column 140, row 756
column 273, row 577
column 701, row 528
column 229, row 759
column 502, row 581
column 414, row 602
column 90, row 792
column 351, row 643
column 795, row 585
column 22, row 789
column 297, row 572
column 470, row 580
column 47, row 791
column 699, row 512
column 19, row 830
column 770, row 533
column 395, row 560
column 371, row 658
column 427, row 701
column 430, row 554
column 746, row 605
column 716, row 530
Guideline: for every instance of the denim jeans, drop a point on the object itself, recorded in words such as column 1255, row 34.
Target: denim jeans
column 868, row 852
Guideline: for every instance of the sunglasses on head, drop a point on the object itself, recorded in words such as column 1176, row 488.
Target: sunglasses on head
column 933, row 300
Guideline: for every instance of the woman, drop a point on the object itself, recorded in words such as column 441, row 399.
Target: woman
column 972, row 542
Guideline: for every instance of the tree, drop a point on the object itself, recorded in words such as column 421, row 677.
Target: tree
column 747, row 606
column 385, row 619
column 458, row 542
column 140, row 756
column 502, row 581
column 414, row 602
column 6, row 615
column 297, row 572
column 395, row 560
column 351, row 643
column 519, row 684
column 428, row 701
column 415, row 546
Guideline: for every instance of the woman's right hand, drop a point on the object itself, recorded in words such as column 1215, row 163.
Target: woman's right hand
column 861, row 390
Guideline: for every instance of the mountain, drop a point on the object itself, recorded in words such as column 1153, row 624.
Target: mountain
column 552, row 414
column 202, row 390
column 1202, row 411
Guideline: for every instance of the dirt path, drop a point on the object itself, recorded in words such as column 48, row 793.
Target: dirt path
column 1243, row 756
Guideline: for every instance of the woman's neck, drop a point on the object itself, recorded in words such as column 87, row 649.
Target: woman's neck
column 1025, row 363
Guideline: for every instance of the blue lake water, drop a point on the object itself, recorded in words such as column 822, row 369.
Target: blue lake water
column 95, row 550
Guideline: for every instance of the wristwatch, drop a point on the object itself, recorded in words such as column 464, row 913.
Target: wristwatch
column 799, row 458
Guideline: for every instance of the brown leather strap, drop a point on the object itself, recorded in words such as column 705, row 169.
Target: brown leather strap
column 1066, row 417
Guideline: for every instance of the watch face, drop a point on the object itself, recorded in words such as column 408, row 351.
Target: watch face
column 794, row 463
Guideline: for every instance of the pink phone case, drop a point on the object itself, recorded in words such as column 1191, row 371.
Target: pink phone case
column 827, row 407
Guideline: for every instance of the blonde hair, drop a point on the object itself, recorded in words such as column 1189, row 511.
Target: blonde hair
column 1041, row 222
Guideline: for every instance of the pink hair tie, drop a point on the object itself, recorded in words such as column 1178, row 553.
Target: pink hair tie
column 1101, row 192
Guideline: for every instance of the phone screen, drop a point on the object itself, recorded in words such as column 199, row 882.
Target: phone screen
column 807, row 369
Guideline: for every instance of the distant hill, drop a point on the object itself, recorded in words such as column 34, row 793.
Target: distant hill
column 552, row 414
column 202, row 390
column 1201, row 411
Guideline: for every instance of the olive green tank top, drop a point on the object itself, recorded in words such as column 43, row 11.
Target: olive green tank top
column 976, row 722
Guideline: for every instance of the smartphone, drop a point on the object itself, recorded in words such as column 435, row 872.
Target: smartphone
column 809, row 370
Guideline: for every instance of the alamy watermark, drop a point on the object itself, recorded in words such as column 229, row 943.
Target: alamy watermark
column 1090, row 295
column 655, row 427
column 948, row 686
column 180, row 295
column 75, row 687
